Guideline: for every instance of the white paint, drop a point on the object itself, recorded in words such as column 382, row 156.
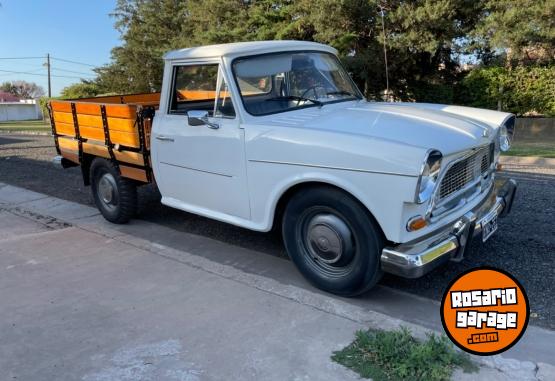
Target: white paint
column 19, row 111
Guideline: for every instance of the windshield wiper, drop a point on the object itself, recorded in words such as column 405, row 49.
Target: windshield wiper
column 341, row 92
column 296, row 98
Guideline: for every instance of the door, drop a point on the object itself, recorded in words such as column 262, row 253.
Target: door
column 200, row 168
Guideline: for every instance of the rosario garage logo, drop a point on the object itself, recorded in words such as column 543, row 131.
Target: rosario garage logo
column 485, row 311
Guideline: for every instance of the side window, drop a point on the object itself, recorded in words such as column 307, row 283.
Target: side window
column 224, row 105
column 196, row 87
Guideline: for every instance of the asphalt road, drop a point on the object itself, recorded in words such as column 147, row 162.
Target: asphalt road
column 524, row 244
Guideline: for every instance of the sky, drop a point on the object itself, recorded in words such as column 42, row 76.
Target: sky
column 78, row 30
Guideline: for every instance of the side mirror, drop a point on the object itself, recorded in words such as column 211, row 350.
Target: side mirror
column 200, row 118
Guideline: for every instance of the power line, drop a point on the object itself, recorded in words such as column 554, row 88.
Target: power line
column 41, row 75
column 20, row 58
column 71, row 71
column 73, row 62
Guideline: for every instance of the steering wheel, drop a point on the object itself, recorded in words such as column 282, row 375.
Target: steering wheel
column 311, row 88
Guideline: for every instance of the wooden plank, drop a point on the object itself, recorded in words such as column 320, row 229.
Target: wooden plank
column 70, row 155
column 87, row 108
column 130, row 157
column 121, row 111
column 96, row 150
column 133, row 173
column 117, row 137
column 62, row 106
column 123, row 156
column 68, row 143
column 63, row 117
column 65, row 129
column 115, row 124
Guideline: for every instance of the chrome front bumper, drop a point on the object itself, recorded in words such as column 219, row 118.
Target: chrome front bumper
column 416, row 258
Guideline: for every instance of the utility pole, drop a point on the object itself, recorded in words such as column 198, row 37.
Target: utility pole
column 48, row 68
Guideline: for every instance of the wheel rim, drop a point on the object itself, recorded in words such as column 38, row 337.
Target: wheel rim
column 108, row 191
column 327, row 242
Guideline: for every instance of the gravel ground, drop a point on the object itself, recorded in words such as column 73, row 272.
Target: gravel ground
column 524, row 244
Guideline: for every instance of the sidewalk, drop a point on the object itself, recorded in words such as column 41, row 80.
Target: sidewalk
column 84, row 299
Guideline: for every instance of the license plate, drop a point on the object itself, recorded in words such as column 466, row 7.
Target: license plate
column 489, row 226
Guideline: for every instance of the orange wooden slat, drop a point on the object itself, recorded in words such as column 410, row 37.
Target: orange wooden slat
column 133, row 173
column 65, row 129
column 96, row 150
column 68, row 143
column 116, row 137
column 87, row 108
column 64, row 117
column 62, row 106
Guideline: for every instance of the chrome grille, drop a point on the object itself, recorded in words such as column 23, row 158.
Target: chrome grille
column 465, row 171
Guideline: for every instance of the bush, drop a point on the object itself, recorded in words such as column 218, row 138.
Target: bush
column 521, row 90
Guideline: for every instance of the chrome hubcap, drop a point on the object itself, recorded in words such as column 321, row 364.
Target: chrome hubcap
column 328, row 238
column 107, row 190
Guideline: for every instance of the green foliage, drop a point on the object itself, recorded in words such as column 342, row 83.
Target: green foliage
column 397, row 355
column 425, row 41
column 43, row 104
column 524, row 28
column 85, row 89
column 521, row 90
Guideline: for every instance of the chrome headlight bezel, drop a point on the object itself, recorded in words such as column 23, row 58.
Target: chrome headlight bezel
column 429, row 174
column 506, row 133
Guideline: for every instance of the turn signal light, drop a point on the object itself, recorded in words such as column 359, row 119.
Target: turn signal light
column 416, row 223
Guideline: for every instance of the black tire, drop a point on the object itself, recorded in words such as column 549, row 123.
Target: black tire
column 114, row 196
column 333, row 240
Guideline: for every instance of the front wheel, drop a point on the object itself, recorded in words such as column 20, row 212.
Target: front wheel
column 333, row 240
column 114, row 196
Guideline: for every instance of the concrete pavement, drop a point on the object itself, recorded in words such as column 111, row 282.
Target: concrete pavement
column 84, row 299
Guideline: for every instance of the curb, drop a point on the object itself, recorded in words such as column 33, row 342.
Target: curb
column 46, row 209
column 15, row 132
column 531, row 161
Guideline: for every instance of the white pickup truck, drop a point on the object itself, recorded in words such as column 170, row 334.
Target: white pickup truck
column 276, row 134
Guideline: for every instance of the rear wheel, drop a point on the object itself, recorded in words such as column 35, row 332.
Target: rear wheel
column 114, row 196
column 333, row 240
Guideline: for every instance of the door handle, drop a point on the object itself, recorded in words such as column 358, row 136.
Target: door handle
column 164, row 138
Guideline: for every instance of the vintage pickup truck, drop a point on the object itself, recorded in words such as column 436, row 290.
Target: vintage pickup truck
column 276, row 134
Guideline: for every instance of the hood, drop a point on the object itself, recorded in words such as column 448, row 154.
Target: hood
column 449, row 129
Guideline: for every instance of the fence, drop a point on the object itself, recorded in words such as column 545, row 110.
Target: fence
column 535, row 129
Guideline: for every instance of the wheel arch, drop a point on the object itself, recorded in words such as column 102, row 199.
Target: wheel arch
column 288, row 192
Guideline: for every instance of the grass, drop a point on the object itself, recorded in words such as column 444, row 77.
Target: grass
column 532, row 148
column 25, row 125
column 397, row 355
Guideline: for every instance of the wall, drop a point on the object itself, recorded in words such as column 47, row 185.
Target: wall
column 19, row 111
column 535, row 129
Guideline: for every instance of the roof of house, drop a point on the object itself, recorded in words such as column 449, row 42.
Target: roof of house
column 7, row 97
column 245, row 48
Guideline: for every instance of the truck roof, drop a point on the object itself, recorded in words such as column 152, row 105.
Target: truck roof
column 245, row 48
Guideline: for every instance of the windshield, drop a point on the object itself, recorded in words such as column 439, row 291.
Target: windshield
column 275, row 83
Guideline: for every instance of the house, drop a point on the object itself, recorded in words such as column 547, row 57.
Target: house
column 7, row 97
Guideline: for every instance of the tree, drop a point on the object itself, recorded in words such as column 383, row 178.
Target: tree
column 22, row 89
column 148, row 30
column 523, row 29
column 85, row 89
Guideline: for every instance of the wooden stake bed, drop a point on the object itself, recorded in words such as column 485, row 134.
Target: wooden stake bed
column 114, row 127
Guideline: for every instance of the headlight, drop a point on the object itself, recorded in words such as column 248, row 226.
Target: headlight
column 428, row 176
column 506, row 132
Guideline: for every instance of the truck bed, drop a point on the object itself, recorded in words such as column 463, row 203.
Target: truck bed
column 112, row 127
